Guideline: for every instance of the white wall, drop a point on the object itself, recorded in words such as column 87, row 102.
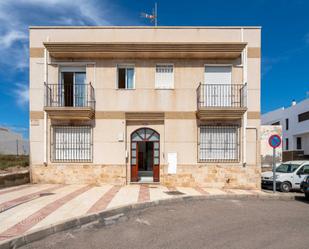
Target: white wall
column 266, row 149
column 296, row 129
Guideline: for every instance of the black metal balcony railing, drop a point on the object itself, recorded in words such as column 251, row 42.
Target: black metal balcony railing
column 221, row 95
column 69, row 95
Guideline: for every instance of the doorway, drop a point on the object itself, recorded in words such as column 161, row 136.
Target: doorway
column 145, row 155
column 72, row 89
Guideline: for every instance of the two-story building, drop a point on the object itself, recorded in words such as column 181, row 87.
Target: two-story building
column 120, row 105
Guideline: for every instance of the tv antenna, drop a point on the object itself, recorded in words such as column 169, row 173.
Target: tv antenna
column 152, row 17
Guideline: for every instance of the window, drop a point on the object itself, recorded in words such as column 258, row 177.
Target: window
column 276, row 123
column 286, row 123
column 304, row 170
column 303, row 116
column 125, row 77
column 164, row 76
column 72, row 144
column 286, row 144
column 72, row 89
column 218, row 89
column 298, row 143
column 287, row 168
column 218, row 143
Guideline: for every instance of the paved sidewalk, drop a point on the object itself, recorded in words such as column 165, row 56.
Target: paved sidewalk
column 29, row 207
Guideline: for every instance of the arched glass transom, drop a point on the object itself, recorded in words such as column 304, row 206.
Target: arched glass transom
column 145, row 134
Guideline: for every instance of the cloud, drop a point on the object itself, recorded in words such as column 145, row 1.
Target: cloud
column 9, row 38
column 22, row 94
column 17, row 15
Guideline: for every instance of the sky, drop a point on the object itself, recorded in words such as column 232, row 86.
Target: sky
column 285, row 40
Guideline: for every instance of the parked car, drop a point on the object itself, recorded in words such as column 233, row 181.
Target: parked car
column 305, row 187
column 289, row 175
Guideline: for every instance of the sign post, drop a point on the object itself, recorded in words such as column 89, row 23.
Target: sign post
column 274, row 141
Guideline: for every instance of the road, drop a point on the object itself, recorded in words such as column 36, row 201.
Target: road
column 249, row 223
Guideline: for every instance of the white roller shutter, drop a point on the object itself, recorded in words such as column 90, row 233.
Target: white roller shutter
column 164, row 77
column 218, row 80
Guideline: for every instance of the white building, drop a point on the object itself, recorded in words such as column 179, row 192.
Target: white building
column 12, row 143
column 295, row 129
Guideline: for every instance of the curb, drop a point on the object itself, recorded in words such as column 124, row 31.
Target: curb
column 111, row 216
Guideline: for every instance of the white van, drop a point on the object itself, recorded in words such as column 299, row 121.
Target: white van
column 289, row 175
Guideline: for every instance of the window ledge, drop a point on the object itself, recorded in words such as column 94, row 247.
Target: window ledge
column 78, row 163
column 164, row 88
column 219, row 161
column 125, row 89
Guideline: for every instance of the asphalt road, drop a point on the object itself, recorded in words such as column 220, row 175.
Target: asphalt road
column 262, row 224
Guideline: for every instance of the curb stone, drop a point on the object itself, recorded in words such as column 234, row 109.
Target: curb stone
column 111, row 216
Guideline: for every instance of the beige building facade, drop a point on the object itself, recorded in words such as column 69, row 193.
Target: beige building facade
column 120, row 105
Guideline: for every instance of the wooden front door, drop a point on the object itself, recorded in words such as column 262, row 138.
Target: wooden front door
column 141, row 137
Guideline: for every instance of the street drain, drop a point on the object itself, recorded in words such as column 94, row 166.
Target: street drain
column 174, row 193
column 46, row 194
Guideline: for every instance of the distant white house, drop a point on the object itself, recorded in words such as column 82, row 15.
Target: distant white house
column 12, row 143
column 295, row 129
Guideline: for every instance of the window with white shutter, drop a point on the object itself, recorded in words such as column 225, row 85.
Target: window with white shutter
column 164, row 78
column 218, row 143
column 218, row 88
column 72, row 144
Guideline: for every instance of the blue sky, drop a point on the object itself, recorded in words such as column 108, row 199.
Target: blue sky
column 285, row 40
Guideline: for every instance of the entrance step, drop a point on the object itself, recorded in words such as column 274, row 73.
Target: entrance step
column 146, row 179
column 145, row 173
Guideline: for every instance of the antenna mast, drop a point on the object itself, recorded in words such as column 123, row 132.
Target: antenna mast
column 156, row 14
column 153, row 17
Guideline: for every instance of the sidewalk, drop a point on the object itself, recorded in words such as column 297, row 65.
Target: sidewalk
column 29, row 207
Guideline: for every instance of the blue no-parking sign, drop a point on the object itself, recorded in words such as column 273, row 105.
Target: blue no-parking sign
column 274, row 141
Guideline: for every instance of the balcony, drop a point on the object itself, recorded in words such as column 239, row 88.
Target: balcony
column 69, row 101
column 221, row 101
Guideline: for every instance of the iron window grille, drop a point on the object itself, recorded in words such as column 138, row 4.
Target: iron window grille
column 71, row 144
column 219, row 143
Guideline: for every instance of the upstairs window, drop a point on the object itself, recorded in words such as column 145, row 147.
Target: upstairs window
column 164, row 78
column 303, row 116
column 125, row 77
column 72, row 90
column 276, row 123
column 287, row 124
column 298, row 143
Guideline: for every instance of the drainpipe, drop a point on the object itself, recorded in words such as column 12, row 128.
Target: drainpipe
column 126, row 150
column 245, row 76
column 45, row 114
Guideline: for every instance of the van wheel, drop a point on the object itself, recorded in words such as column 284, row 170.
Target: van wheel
column 285, row 187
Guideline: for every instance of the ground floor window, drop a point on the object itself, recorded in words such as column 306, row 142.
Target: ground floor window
column 219, row 143
column 72, row 144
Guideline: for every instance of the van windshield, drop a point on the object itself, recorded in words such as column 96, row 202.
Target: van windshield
column 287, row 168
